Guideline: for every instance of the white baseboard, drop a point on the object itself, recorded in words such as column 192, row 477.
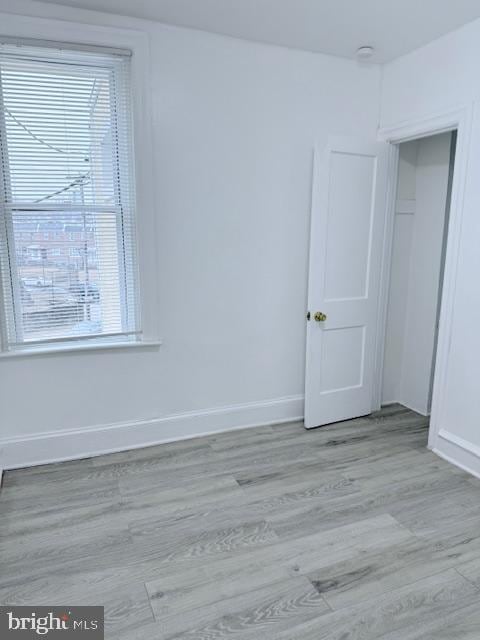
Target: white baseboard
column 423, row 411
column 58, row 446
column 459, row 452
column 407, row 405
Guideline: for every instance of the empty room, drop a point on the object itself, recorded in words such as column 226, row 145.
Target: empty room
column 239, row 319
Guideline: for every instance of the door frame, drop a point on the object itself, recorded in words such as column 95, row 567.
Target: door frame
column 459, row 119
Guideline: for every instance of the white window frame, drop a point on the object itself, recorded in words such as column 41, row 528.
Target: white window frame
column 90, row 36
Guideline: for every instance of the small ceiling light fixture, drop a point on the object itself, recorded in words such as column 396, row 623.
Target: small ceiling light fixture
column 365, row 53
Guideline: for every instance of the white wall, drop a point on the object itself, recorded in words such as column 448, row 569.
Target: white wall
column 436, row 78
column 415, row 275
column 234, row 127
column 433, row 161
column 399, row 273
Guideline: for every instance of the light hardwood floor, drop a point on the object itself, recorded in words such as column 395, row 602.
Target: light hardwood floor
column 350, row 532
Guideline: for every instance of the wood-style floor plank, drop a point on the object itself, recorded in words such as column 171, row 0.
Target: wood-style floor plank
column 372, row 572
column 249, row 613
column 407, row 613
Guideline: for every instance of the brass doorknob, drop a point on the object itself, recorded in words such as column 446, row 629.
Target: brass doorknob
column 319, row 316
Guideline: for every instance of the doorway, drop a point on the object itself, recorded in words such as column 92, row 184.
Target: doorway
column 359, row 223
column 417, row 266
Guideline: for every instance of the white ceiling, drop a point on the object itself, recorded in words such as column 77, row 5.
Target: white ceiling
column 338, row 27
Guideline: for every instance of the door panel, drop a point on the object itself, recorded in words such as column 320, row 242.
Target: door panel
column 348, row 216
column 352, row 180
column 342, row 358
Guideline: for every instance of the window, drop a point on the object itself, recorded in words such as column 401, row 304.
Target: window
column 66, row 171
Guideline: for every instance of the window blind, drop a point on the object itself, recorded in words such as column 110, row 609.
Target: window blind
column 67, row 232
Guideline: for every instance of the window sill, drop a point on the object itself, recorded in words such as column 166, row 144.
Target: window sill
column 80, row 348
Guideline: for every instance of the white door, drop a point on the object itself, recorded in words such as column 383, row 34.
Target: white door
column 348, row 219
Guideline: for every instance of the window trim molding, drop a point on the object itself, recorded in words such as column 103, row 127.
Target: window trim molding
column 64, row 347
column 88, row 35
